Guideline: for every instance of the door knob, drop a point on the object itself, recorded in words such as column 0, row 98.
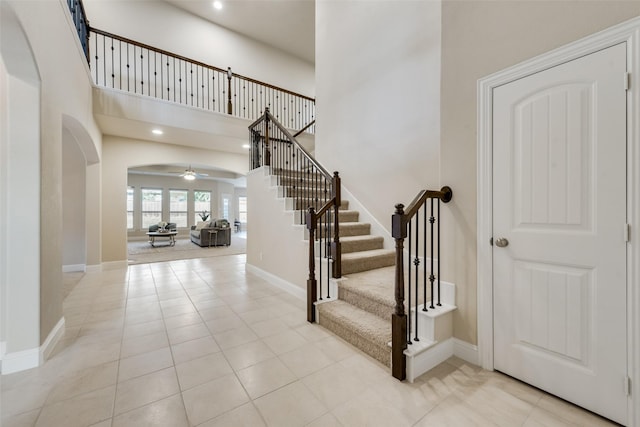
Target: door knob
column 502, row 242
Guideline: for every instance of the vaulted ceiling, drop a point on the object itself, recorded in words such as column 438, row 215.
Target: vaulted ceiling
column 288, row 25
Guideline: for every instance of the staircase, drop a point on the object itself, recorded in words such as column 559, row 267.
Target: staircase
column 365, row 304
column 359, row 316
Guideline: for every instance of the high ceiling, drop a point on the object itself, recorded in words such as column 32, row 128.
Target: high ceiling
column 288, row 25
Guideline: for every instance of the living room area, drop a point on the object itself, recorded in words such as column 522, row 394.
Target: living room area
column 184, row 211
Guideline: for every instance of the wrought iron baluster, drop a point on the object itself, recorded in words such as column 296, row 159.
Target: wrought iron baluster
column 409, row 234
column 431, row 277
column 438, row 272
column 424, row 256
column 416, row 263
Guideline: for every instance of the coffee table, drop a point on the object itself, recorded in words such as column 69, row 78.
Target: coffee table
column 170, row 234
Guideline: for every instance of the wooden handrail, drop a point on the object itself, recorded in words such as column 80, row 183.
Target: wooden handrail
column 309, row 157
column 155, row 49
column 240, row 96
column 311, row 123
column 195, row 62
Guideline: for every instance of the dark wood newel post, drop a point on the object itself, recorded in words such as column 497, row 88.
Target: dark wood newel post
column 229, row 103
column 312, row 285
column 267, row 152
column 399, row 317
column 336, row 246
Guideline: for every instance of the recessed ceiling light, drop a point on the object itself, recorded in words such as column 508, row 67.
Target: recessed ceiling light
column 246, row 146
column 217, row 4
column 157, row 132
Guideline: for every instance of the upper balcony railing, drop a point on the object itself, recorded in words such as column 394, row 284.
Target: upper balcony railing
column 81, row 23
column 120, row 63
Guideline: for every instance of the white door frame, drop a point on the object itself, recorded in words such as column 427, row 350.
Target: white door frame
column 628, row 32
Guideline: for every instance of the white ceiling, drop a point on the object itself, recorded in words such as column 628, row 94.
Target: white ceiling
column 288, row 25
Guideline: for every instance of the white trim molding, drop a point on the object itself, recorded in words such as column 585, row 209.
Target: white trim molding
column 52, row 340
column 465, row 351
column 20, row 360
column 73, row 268
column 629, row 33
column 276, row 281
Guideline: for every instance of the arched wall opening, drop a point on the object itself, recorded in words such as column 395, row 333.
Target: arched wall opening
column 78, row 154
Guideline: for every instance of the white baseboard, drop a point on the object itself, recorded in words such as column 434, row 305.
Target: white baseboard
column 93, row 268
column 429, row 359
column 113, row 265
column 20, row 360
column 288, row 287
column 72, row 268
column 465, row 351
column 52, row 340
column 33, row 357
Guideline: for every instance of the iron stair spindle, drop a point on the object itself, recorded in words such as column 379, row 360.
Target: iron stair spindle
column 409, row 287
column 424, row 256
column 431, row 277
column 416, row 263
column 320, row 250
column 438, row 237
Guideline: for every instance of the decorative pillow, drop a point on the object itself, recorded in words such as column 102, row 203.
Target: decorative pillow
column 201, row 224
column 222, row 223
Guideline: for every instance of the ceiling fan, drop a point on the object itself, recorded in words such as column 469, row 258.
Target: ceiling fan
column 189, row 174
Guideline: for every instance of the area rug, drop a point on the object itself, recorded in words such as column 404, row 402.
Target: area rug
column 141, row 252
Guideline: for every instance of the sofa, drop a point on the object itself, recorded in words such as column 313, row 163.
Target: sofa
column 171, row 226
column 202, row 233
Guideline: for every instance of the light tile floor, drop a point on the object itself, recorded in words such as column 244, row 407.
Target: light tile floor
column 203, row 343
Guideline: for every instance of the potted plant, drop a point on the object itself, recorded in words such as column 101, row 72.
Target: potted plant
column 204, row 215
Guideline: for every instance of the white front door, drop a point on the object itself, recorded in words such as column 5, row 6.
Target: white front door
column 559, row 206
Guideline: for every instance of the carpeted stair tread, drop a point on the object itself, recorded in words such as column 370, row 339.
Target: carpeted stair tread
column 361, row 243
column 354, row 229
column 374, row 290
column 346, row 215
column 362, row 329
column 356, row 262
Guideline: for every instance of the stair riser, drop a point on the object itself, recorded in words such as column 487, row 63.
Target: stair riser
column 378, row 308
column 381, row 353
column 364, row 245
column 356, row 266
column 350, row 216
column 356, row 230
column 348, row 230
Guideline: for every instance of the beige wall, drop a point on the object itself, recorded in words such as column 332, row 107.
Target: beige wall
column 119, row 154
column 378, row 98
column 73, row 202
column 64, row 90
column 274, row 244
column 480, row 38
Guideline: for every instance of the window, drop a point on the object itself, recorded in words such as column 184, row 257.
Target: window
column 202, row 204
column 151, row 206
column 178, row 207
column 129, row 208
column 225, row 208
column 242, row 209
